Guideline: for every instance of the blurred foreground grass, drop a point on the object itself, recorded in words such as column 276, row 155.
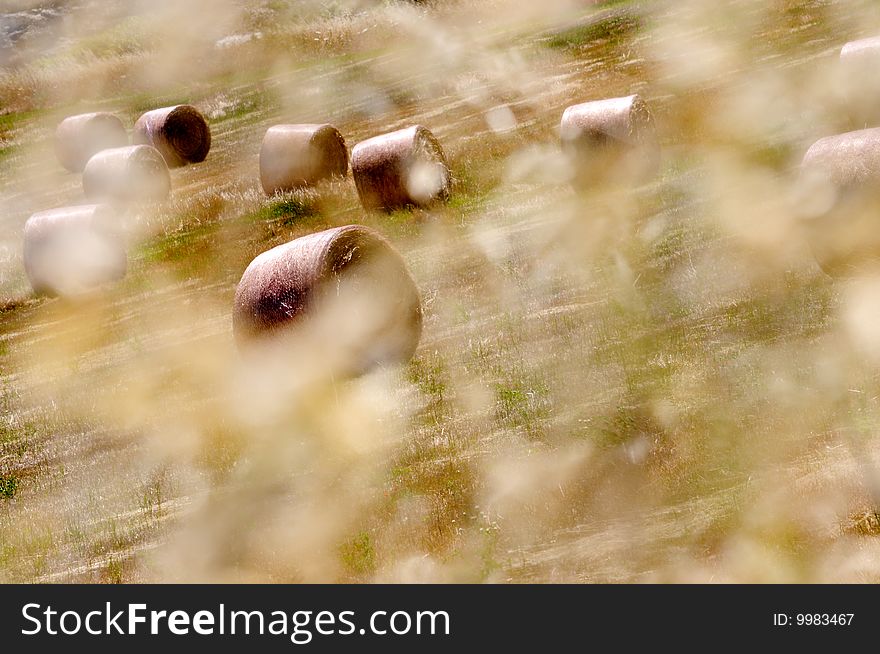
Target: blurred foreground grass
column 651, row 384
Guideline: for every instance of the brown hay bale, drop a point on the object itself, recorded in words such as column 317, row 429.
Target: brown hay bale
column 293, row 156
column 611, row 140
column 840, row 184
column 349, row 282
column 135, row 173
column 859, row 62
column 77, row 138
column 400, row 169
column 70, row 250
column 180, row 133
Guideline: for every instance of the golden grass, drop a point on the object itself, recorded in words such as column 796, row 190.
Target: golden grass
column 654, row 384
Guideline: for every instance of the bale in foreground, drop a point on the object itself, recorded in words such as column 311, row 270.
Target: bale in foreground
column 400, row 169
column 346, row 291
column 840, row 187
column 180, row 133
column 71, row 250
column 611, row 140
column 293, row 156
column 79, row 137
column 135, row 173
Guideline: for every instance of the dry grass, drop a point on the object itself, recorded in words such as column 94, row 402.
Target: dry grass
column 613, row 385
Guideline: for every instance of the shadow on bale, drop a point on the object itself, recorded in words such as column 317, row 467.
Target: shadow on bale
column 400, row 169
column 180, row 133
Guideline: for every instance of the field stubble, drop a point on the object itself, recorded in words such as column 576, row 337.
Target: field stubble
column 651, row 384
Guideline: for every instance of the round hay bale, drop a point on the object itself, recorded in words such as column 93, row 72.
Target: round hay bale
column 400, row 169
column 840, row 188
column 77, row 138
column 859, row 62
column 71, row 250
column 347, row 283
column 180, row 133
column 611, row 140
column 135, row 173
column 293, row 156
column 850, row 160
column 861, row 51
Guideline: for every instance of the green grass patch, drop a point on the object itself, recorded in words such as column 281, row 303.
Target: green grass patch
column 128, row 37
column 114, row 571
column 180, row 245
column 12, row 121
column 252, row 102
column 605, row 29
column 8, row 486
column 428, row 372
column 138, row 103
column 523, row 403
column 358, row 555
column 286, row 211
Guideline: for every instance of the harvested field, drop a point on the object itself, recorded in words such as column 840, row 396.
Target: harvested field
column 613, row 383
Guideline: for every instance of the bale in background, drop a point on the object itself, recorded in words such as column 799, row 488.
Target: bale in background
column 293, row 156
column 71, row 250
column 135, row 173
column 348, row 282
column 840, row 191
column 611, row 140
column 859, row 63
column 400, row 169
column 180, row 133
column 77, row 138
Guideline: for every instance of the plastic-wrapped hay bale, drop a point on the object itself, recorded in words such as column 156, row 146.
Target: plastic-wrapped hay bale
column 71, row 250
column 180, row 133
column 135, row 173
column 840, row 191
column 859, row 63
column 400, row 169
column 611, row 140
column 348, row 283
column 77, row 138
column 293, row 156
